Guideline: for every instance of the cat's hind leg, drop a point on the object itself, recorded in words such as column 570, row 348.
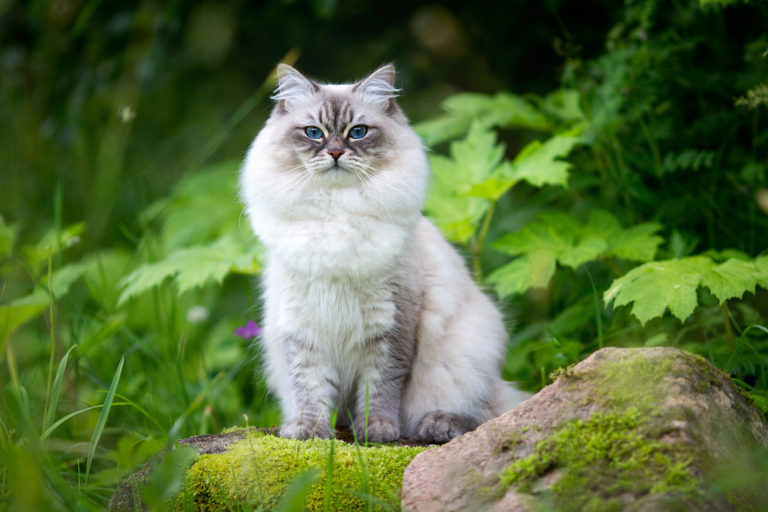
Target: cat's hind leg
column 455, row 382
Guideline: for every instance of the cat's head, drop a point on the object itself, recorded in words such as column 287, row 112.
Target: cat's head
column 331, row 135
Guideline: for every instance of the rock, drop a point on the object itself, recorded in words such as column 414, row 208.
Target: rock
column 127, row 496
column 247, row 469
column 626, row 429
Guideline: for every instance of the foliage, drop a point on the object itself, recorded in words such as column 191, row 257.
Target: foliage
column 629, row 186
column 672, row 284
column 556, row 237
column 620, row 136
column 193, row 218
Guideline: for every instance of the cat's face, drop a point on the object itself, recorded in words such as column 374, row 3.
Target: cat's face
column 338, row 134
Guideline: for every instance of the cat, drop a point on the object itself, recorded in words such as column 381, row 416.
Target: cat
column 368, row 310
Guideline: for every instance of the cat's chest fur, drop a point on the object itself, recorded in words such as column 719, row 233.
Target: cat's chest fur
column 331, row 268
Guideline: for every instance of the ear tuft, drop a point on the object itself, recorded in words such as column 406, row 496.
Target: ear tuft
column 292, row 87
column 379, row 87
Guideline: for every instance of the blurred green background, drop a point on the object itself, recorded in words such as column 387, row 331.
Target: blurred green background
column 127, row 266
column 178, row 71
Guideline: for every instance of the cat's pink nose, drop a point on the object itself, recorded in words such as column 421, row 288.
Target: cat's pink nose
column 336, row 153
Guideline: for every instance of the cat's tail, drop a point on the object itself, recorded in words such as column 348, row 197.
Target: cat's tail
column 507, row 397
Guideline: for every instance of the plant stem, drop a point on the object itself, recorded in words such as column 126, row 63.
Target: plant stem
column 477, row 245
column 728, row 328
column 598, row 319
column 51, row 325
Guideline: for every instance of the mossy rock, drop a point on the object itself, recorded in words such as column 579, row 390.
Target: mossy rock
column 626, row 429
column 246, row 470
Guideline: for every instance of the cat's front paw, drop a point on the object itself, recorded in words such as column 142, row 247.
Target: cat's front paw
column 305, row 427
column 381, row 429
column 441, row 426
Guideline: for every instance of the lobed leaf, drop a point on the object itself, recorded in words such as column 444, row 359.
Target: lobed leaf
column 541, row 163
column 563, row 239
column 450, row 204
column 564, row 104
column 440, row 129
column 658, row 285
column 464, row 110
column 192, row 267
column 671, row 284
column 731, row 279
column 761, row 274
column 529, row 271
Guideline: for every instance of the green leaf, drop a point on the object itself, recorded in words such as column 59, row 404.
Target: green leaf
column 63, row 279
column 587, row 249
column 102, row 421
column 295, row 497
column 202, row 208
column 193, row 267
column 7, row 238
column 761, row 268
column 637, row 243
column 53, row 401
column 555, row 232
column 465, row 109
column 492, row 188
column 440, row 129
column 731, row 279
column 512, row 278
column 574, row 317
column 450, row 204
column 541, row 163
column 653, row 287
column 658, row 285
column 570, row 243
column 18, row 312
column 54, row 242
column 564, row 104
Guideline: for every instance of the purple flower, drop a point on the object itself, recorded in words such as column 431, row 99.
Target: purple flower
column 251, row 330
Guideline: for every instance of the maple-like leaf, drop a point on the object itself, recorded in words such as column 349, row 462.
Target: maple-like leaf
column 192, row 267
column 565, row 240
column 541, row 163
column 465, row 109
column 449, row 203
column 653, row 287
column 533, row 270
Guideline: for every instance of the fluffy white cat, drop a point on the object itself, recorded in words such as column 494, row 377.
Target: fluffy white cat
column 368, row 310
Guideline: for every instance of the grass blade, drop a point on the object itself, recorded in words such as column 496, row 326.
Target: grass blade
column 329, row 469
column 56, row 389
column 56, row 425
column 295, row 497
column 103, row 417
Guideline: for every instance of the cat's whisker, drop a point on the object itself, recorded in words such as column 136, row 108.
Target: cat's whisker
column 366, row 178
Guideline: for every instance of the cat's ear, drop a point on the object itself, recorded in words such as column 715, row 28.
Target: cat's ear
column 292, row 87
column 379, row 87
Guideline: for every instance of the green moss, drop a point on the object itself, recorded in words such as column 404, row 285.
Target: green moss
column 602, row 458
column 257, row 471
column 615, row 452
column 632, row 381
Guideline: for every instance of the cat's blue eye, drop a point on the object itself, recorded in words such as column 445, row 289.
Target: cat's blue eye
column 313, row 132
column 358, row 132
